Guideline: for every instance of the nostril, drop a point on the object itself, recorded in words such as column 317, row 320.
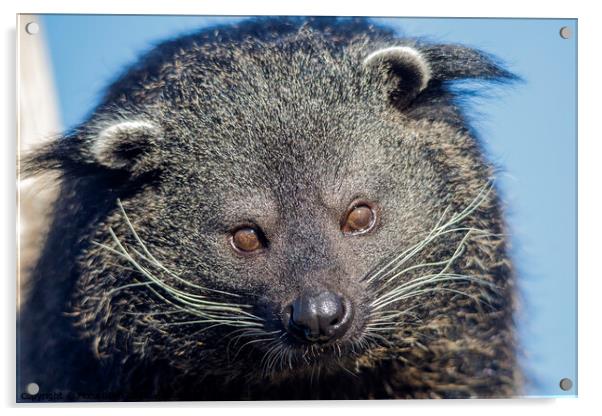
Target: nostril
column 318, row 317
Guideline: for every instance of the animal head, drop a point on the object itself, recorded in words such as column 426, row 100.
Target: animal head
column 297, row 200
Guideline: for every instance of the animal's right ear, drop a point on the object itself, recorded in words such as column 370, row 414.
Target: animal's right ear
column 125, row 146
column 402, row 71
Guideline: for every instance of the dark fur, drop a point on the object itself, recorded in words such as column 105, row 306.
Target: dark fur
column 272, row 121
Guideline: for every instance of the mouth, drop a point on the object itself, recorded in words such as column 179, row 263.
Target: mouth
column 301, row 358
column 279, row 354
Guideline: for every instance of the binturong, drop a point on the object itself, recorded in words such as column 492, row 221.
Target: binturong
column 284, row 208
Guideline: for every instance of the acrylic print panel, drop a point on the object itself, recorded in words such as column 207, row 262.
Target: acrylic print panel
column 216, row 208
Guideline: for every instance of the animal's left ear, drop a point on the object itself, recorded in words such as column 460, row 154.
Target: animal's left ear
column 406, row 71
column 403, row 72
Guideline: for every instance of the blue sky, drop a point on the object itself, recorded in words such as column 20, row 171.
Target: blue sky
column 528, row 129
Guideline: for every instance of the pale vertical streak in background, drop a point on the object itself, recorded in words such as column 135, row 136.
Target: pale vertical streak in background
column 37, row 122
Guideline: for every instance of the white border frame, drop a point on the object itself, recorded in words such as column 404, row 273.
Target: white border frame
column 588, row 172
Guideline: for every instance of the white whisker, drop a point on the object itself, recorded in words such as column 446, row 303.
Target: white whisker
column 207, row 311
column 383, row 319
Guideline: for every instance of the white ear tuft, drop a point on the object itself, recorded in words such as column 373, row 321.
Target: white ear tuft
column 402, row 55
column 118, row 145
column 403, row 70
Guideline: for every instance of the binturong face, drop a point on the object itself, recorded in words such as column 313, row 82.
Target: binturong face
column 282, row 208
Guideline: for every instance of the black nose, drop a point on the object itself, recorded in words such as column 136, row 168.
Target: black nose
column 318, row 317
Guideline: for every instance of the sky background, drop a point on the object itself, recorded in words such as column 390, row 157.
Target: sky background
column 528, row 129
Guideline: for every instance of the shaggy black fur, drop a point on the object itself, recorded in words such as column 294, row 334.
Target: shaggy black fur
column 280, row 123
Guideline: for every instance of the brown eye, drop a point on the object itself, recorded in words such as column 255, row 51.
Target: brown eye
column 360, row 219
column 246, row 239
